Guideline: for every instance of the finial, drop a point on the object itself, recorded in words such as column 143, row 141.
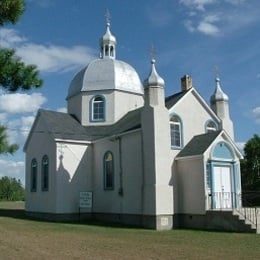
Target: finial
column 108, row 17
column 152, row 52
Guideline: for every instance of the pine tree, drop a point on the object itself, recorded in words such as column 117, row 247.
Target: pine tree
column 14, row 74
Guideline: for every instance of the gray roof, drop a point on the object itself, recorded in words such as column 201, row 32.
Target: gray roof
column 198, row 144
column 173, row 99
column 65, row 126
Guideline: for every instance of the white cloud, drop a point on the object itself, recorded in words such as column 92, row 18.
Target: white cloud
column 241, row 146
column 12, row 169
column 205, row 26
column 219, row 17
column 48, row 58
column 62, row 109
column 256, row 114
column 208, row 28
column 21, row 103
column 26, row 124
column 2, row 117
column 189, row 26
column 54, row 58
column 197, row 4
column 9, row 38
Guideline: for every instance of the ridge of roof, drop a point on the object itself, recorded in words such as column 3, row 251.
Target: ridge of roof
column 173, row 99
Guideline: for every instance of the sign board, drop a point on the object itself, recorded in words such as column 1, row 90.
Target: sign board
column 85, row 199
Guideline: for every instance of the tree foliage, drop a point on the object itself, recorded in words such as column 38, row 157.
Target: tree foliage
column 5, row 147
column 250, row 166
column 11, row 10
column 14, row 74
column 11, row 189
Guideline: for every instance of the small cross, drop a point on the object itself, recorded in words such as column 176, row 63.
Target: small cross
column 152, row 52
column 108, row 16
column 216, row 71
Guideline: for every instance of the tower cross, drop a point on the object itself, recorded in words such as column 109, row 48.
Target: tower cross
column 152, row 52
column 216, row 71
column 108, row 16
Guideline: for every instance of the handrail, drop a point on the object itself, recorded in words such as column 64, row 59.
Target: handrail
column 232, row 200
column 250, row 212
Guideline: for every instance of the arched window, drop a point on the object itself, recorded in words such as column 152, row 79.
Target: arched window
column 34, row 175
column 176, row 132
column 108, row 171
column 98, row 108
column 45, row 173
column 211, row 126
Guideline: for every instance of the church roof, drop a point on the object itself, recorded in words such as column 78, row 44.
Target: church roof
column 173, row 99
column 106, row 74
column 131, row 121
column 198, row 144
column 66, row 127
column 63, row 125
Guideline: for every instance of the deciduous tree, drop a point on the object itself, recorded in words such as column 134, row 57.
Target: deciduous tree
column 11, row 189
column 250, row 166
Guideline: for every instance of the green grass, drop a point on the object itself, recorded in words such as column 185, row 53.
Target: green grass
column 21, row 238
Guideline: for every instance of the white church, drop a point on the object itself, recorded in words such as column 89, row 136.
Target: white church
column 125, row 153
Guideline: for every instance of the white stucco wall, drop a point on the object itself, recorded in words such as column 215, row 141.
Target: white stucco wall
column 158, row 190
column 191, row 186
column 109, row 201
column 193, row 116
column 118, row 103
column 41, row 143
column 74, row 165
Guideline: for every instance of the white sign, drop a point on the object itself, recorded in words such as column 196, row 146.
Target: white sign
column 85, row 199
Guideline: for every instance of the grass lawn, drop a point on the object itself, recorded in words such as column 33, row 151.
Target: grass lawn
column 21, row 238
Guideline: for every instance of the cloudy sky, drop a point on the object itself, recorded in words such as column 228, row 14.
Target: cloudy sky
column 190, row 37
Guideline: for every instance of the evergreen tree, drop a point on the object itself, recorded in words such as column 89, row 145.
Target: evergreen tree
column 14, row 74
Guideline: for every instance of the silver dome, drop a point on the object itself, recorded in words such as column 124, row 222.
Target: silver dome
column 106, row 74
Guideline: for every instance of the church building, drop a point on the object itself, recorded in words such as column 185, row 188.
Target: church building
column 125, row 153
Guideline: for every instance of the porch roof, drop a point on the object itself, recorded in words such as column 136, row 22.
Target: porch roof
column 198, row 144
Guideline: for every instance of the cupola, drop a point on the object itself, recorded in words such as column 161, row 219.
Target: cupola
column 154, row 79
column 108, row 44
column 218, row 94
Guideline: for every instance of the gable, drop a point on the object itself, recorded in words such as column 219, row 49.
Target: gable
column 201, row 144
column 172, row 102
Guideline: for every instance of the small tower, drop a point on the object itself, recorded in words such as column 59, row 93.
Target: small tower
column 108, row 43
column 157, row 192
column 154, row 88
column 219, row 103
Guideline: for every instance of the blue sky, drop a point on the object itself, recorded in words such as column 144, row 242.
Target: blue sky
column 190, row 37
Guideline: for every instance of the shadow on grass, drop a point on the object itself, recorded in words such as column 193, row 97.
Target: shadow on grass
column 21, row 214
column 13, row 213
